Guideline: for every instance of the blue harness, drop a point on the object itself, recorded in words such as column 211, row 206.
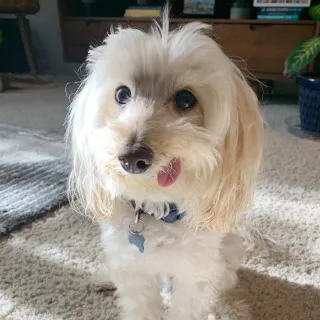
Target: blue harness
column 136, row 227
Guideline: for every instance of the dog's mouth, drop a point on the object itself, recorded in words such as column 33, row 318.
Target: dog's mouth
column 170, row 173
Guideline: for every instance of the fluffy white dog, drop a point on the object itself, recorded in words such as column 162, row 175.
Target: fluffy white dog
column 166, row 145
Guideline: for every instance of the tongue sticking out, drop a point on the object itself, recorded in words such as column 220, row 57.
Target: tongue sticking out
column 170, row 173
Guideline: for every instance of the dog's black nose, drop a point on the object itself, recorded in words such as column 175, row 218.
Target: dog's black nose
column 136, row 158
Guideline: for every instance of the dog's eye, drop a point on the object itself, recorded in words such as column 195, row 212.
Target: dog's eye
column 123, row 95
column 184, row 99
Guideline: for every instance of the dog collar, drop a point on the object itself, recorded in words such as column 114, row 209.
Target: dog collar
column 136, row 227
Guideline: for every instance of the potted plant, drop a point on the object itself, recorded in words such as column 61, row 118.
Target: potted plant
column 241, row 9
column 304, row 53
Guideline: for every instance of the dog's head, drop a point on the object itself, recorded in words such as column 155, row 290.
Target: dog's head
column 165, row 117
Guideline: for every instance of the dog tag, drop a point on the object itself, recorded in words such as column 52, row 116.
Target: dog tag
column 137, row 240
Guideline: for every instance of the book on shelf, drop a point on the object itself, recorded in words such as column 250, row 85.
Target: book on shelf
column 278, row 17
column 141, row 7
column 282, row 3
column 143, row 11
column 279, row 13
column 198, row 7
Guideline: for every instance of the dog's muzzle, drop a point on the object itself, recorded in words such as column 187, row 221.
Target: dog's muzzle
column 136, row 158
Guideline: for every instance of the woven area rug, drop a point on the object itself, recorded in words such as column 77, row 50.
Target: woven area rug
column 33, row 175
column 46, row 270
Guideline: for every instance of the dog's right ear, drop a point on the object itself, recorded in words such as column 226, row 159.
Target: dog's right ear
column 233, row 182
column 85, row 187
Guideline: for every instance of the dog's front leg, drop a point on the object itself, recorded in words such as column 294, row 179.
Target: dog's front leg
column 192, row 299
column 138, row 295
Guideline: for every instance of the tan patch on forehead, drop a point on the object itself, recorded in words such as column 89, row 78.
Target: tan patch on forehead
column 152, row 86
column 158, row 84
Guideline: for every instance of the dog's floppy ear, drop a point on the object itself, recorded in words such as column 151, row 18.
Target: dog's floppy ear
column 233, row 183
column 85, row 187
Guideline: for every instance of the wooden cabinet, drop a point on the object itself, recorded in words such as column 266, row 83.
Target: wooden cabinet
column 262, row 45
column 79, row 34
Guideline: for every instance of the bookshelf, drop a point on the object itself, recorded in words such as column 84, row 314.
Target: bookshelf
column 262, row 44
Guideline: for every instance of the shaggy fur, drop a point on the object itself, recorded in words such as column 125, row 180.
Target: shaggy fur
column 218, row 143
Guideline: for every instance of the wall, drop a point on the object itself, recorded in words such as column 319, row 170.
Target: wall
column 47, row 42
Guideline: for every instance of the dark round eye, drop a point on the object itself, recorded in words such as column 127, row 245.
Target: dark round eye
column 122, row 95
column 184, row 99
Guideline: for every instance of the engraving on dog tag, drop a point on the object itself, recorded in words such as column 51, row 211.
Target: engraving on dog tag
column 137, row 240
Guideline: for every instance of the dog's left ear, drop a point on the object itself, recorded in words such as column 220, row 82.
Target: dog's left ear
column 234, row 182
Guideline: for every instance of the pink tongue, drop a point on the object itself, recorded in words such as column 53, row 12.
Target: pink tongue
column 169, row 174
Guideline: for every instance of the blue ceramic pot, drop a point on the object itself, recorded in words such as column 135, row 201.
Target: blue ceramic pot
column 309, row 101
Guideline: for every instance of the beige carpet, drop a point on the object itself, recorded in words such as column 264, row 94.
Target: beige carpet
column 45, row 270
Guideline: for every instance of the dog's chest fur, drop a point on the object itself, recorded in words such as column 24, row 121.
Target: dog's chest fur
column 168, row 246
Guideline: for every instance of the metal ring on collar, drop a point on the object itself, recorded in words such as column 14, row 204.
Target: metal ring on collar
column 136, row 227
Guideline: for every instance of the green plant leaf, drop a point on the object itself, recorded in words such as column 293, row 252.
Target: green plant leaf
column 302, row 54
column 314, row 12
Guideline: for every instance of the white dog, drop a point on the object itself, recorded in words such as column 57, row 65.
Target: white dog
column 166, row 145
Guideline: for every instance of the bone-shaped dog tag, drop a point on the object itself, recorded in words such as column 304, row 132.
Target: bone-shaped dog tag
column 137, row 240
